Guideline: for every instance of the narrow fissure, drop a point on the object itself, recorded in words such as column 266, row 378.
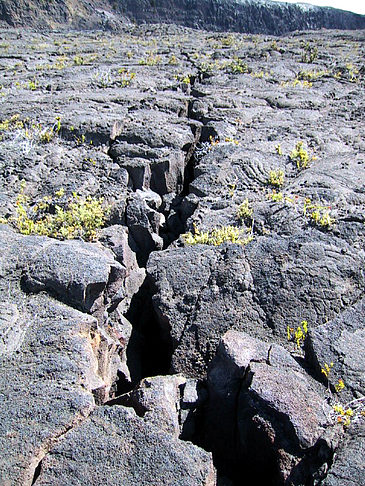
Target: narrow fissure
column 149, row 350
column 150, row 347
column 37, row 472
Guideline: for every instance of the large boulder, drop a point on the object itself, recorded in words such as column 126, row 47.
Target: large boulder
column 57, row 362
column 200, row 292
column 48, row 377
column 114, row 446
column 265, row 413
column 76, row 272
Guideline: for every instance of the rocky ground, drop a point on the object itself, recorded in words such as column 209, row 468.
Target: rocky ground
column 182, row 343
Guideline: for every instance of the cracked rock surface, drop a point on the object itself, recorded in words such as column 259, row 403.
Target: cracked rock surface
column 141, row 357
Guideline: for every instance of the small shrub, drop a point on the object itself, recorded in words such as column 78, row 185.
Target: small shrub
column 237, row 66
column 319, row 215
column 296, row 83
column 106, row 78
column 301, row 156
column 276, row 196
column 309, row 53
column 276, row 177
column 78, row 60
column 299, row 335
column 244, row 210
column 57, row 217
column 278, row 149
column 217, row 236
column 311, row 75
column 151, row 59
column 341, row 414
column 173, row 60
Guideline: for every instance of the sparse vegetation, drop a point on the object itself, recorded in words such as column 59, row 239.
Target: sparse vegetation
column 301, row 157
column 278, row 149
column 318, row 214
column 108, row 78
column 217, row 236
column 59, row 216
column 276, row 177
column 245, row 211
column 151, row 59
column 309, row 54
column 298, row 335
column 236, row 66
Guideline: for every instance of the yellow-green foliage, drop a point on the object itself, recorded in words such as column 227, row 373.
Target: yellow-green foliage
column 217, row 236
column 79, row 60
column 106, row 78
column 29, row 130
column 11, row 124
column 244, row 210
column 309, row 53
column 125, row 77
column 276, row 177
column 300, row 156
column 351, row 411
column 278, row 149
column 173, row 60
column 151, row 59
column 32, row 85
column 275, row 196
column 75, row 217
column 312, row 75
column 344, row 415
column 298, row 335
column 228, row 41
column 279, row 197
column 183, row 78
column 237, row 66
column 319, row 215
column 296, row 83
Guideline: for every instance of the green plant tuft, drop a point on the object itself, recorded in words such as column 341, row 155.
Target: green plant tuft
column 301, row 156
column 59, row 217
column 244, row 211
column 276, row 177
column 217, row 236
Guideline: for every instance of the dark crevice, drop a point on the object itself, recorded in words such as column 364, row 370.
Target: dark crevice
column 149, row 350
column 150, row 347
column 37, row 472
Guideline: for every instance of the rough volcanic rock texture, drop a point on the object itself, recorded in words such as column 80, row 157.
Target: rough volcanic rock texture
column 176, row 129
column 115, row 446
column 259, row 395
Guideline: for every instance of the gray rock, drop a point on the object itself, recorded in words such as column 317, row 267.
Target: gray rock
column 117, row 238
column 115, row 446
column 47, row 383
column 290, row 279
column 157, row 400
column 139, row 134
column 12, row 331
column 144, row 224
column 348, row 467
column 200, row 293
column 263, row 410
column 340, row 342
column 76, row 272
